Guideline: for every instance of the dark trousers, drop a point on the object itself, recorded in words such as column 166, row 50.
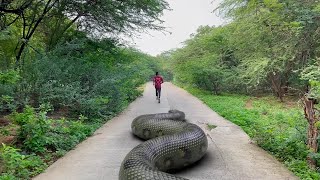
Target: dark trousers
column 158, row 92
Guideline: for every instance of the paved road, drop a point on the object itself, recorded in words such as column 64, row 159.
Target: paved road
column 230, row 154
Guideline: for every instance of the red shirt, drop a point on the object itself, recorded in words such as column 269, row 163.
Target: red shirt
column 157, row 81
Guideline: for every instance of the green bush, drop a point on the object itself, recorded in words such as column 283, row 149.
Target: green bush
column 65, row 135
column 39, row 134
column 81, row 78
column 9, row 77
column 48, row 138
column 209, row 79
column 33, row 128
column 94, row 78
column 19, row 166
column 95, row 85
column 8, row 81
column 7, row 103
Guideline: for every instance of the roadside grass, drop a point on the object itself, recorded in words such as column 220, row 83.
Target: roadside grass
column 277, row 127
column 39, row 140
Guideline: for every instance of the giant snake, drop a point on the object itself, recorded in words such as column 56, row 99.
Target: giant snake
column 172, row 144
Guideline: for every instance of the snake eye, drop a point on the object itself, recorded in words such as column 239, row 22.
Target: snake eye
column 168, row 162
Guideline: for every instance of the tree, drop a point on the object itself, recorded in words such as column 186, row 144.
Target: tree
column 274, row 38
column 94, row 16
column 312, row 113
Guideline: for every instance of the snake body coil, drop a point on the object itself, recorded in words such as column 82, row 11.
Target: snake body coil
column 172, row 144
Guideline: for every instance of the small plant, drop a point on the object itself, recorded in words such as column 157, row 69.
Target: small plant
column 9, row 77
column 7, row 103
column 211, row 126
column 33, row 129
column 82, row 118
column 4, row 131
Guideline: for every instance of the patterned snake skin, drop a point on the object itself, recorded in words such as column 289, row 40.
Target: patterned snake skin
column 174, row 144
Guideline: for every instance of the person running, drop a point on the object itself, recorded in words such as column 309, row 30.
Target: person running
column 157, row 81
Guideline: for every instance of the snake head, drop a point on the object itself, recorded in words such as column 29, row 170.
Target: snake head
column 180, row 114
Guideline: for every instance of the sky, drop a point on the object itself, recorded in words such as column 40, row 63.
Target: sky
column 183, row 20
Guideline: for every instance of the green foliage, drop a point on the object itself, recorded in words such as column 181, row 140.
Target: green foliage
column 39, row 134
column 273, row 126
column 47, row 21
column 262, row 50
column 312, row 74
column 7, row 177
column 301, row 169
column 209, row 79
column 110, row 16
column 8, row 39
column 207, row 61
column 87, row 80
column 33, row 128
column 9, row 77
column 267, row 47
column 7, row 103
column 60, row 67
column 64, row 135
column 19, row 166
column 8, row 80
column 48, row 138
column 79, row 81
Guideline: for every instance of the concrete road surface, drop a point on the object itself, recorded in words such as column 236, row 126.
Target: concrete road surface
column 230, row 154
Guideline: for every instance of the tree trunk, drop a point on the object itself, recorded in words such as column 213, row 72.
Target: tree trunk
column 32, row 29
column 276, row 85
column 18, row 56
column 310, row 114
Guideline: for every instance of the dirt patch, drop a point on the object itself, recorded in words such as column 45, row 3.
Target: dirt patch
column 4, row 122
column 291, row 102
column 249, row 104
column 8, row 131
column 7, row 139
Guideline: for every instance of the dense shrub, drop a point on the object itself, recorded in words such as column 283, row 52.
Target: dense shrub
column 209, row 79
column 86, row 80
column 95, row 79
column 64, row 135
column 8, row 81
column 33, row 129
column 41, row 140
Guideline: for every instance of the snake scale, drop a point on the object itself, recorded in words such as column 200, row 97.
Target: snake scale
column 172, row 144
